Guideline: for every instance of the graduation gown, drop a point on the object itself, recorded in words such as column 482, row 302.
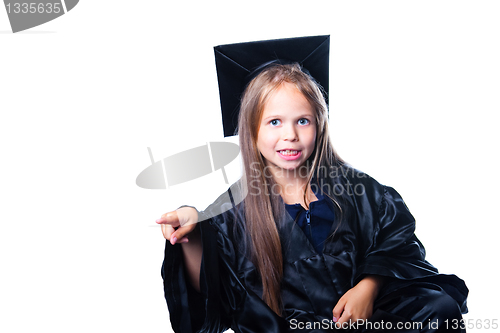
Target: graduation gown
column 375, row 236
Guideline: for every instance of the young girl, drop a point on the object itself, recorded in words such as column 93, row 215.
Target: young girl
column 315, row 244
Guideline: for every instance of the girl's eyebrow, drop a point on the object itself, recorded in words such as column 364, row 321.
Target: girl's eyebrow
column 281, row 116
column 272, row 117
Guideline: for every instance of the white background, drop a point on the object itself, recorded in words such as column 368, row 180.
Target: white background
column 414, row 88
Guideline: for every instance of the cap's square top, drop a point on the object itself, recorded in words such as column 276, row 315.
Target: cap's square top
column 235, row 63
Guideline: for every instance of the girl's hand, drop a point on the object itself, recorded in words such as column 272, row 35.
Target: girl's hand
column 176, row 225
column 357, row 303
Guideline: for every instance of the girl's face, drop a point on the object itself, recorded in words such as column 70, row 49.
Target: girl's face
column 287, row 131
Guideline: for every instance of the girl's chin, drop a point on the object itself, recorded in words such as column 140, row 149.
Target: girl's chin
column 297, row 167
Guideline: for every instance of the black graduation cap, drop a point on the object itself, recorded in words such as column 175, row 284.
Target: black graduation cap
column 236, row 62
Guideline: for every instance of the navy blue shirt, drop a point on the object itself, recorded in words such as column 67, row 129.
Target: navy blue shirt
column 316, row 222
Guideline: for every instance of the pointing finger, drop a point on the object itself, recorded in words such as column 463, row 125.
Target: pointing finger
column 169, row 218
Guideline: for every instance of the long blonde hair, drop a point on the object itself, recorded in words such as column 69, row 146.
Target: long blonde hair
column 264, row 210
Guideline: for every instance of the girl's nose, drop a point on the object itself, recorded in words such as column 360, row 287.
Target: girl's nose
column 289, row 133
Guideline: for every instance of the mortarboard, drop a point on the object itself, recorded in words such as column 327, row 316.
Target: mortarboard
column 236, row 62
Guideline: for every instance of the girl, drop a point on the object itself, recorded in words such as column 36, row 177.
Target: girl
column 314, row 245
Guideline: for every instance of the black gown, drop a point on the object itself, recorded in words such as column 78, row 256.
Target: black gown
column 375, row 237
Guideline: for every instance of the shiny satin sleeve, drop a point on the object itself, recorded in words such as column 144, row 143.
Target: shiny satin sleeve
column 231, row 300
column 186, row 307
column 191, row 311
column 226, row 300
column 393, row 249
column 388, row 245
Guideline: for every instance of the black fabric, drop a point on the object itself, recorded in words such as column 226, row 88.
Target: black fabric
column 375, row 236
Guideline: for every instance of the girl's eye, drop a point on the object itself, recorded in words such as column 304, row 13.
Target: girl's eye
column 303, row 121
column 275, row 122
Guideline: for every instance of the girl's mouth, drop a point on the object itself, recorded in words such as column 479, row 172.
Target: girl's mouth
column 289, row 155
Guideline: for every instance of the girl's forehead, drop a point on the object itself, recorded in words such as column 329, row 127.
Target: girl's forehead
column 287, row 97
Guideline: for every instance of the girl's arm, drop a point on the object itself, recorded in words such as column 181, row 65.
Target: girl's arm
column 357, row 303
column 180, row 226
column 192, row 253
